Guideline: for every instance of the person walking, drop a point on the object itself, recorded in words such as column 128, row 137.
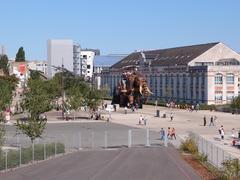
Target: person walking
column 222, row 133
column 173, row 133
column 162, row 134
column 140, row 120
column 125, row 110
column 169, row 135
column 145, row 120
column 204, row 121
column 211, row 121
column 171, row 116
column 233, row 133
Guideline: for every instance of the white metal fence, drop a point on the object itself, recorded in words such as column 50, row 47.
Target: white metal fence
column 215, row 154
column 19, row 149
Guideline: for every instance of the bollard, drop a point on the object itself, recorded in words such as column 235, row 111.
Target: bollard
column 20, row 155
column 6, row 160
column 79, row 141
column 129, row 138
column 147, row 138
column 44, row 151
column 105, row 140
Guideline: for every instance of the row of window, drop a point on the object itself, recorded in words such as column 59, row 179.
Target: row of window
column 229, row 78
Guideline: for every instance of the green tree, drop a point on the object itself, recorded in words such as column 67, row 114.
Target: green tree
column 20, row 56
column 37, row 101
column 236, row 103
column 4, row 64
column 7, row 85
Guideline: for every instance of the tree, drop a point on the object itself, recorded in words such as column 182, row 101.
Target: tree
column 37, row 101
column 7, row 85
column 236, row 103
column 4, row 64
column 20, row 56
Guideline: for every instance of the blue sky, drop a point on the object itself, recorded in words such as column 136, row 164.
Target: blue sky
column 117, row 26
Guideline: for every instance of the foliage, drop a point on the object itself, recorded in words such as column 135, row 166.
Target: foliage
column 7, row 85
column 189, row 146
column 4, row 64
column 37, row 101
column 93, row 99
column 33, row 127
column 20, row 56
column 207, row 107
column 236, row 103
column 201, row 157
column 13, row 155
column 231, row 169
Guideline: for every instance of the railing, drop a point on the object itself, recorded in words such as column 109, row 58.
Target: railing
column 19, row 150
column 215, row 154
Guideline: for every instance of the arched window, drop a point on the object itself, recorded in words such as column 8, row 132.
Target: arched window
column 218, row 78
column 230, row 78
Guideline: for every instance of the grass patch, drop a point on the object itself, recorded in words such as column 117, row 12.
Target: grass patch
column 13, row 156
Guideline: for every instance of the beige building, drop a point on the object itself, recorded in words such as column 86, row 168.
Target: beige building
column 205, row 73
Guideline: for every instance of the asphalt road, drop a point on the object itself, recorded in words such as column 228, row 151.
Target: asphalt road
column 120, row 164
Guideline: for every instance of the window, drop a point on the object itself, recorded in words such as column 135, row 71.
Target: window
column 230, row 78
column 88, row 66
column 230, row 95
column 218, row 96
column 218, row 78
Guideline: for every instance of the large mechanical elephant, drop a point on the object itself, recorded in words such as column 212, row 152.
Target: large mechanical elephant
column 132, row 90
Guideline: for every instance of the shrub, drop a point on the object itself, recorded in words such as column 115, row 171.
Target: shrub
column 207, row 107
column 189, row 146
column 231, row 169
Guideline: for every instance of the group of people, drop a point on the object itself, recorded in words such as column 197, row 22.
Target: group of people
column 142, row 120
column 211, row 122
column 170, row 134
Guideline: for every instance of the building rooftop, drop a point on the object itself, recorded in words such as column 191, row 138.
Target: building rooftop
column 107, row 60
column 166, row 57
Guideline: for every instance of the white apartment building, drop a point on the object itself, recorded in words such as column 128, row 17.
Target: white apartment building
column 62, row 52
column 38, row 66
column 86, row 64
column 205, row 73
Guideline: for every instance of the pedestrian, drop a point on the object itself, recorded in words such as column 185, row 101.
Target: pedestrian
column 222, row 133
column 197, row 107
column 169, row 135
column 162, row 134
column 145, row 120
column 211, row 121
column 140, row 120
column 192, row 108
column 171, row 116
column 125, row 110
column 204, row 121
column 233, row 133
column 115, row 107
column 173, row 133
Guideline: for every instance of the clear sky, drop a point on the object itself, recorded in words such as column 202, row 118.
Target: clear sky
column 117, row 26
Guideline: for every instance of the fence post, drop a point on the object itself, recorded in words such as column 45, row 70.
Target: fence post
column 147, row 138
column 33, row 151
column 79, row 140
column 202, row 146
column 6, row 160
column 212, row 152
column 129, row 138
column 105, row 140
column 20, row 155
column 217, row 156
column 44, row 151
column 92, row 139
column 17, row 139
column 55, row 148
column 165, row 140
